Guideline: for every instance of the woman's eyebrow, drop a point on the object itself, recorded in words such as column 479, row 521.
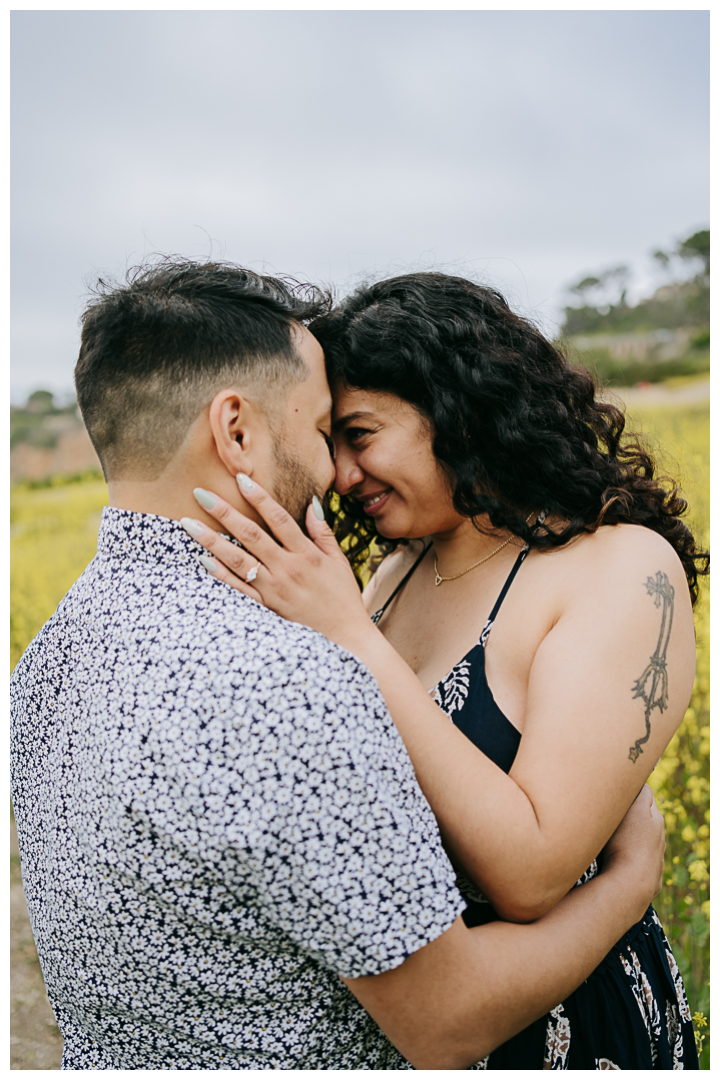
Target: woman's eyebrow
column 343, row 421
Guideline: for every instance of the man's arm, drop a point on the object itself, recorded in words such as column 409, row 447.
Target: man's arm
column 456, row 999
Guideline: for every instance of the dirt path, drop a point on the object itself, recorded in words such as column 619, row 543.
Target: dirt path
column 35, row 1042
column 660, row 394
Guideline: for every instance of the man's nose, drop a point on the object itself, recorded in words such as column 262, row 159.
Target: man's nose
column 348, row 473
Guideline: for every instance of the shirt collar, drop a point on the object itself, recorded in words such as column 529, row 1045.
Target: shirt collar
column 145, row 536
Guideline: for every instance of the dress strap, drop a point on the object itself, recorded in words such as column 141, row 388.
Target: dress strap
column 510, row 578
column 381, row 611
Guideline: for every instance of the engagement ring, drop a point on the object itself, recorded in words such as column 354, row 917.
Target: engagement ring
column 252, row 574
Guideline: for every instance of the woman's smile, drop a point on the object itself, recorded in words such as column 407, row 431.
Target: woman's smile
column 374, row 502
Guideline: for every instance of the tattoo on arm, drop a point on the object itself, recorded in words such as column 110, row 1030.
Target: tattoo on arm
column 652, row 686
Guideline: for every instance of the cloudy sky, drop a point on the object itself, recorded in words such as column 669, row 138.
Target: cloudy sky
column 524, row 148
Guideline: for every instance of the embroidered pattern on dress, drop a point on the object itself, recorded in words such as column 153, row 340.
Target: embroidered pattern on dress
column 674, row 1032
column 485, row 634
column 452, row 691
column 676, row 978
column 557, row 1039
column 646, row 1001
column 592, row 871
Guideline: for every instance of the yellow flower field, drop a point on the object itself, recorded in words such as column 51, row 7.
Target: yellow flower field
column 53, row 535
column 681, row 781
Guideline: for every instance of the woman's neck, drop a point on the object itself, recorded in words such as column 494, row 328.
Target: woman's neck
column 458, row 548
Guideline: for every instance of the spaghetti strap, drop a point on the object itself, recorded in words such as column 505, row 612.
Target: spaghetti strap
column 381, row 611
column 510, row 578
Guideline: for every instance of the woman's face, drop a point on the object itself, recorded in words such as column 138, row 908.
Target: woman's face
column 384, row 458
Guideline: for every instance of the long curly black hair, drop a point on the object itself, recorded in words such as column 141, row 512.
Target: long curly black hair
column 515, row 427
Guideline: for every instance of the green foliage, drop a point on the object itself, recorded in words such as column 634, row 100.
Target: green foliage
column 64, row 481
column 696, row 247
column 41, row 401
column 612, row 371
column 602, row 296
column 29, row 423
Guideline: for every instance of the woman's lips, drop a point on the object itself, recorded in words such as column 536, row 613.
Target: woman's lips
column 375, row 504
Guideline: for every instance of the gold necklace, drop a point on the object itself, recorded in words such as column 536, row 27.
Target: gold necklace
column 439, row 578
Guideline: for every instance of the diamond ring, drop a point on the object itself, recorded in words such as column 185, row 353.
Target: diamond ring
column 252, row 574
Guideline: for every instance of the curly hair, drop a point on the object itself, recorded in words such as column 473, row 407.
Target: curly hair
column 516, row 428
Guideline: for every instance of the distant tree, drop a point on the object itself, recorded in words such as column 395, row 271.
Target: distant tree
column 697, row 246
column 607, row 290
column 41, row 401
column 694, row 248
column 601, row 299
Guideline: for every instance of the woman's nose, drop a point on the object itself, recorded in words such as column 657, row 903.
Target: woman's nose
column 348, row 473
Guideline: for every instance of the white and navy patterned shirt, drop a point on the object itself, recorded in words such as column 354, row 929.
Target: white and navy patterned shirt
column 216, row 817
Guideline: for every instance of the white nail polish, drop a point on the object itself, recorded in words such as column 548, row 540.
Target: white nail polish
column 244, row 482
column 190, row 525
column 317, row 507
column 206, row 498
column 209, row 564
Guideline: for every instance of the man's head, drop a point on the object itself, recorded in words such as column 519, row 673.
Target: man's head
column 190, row 359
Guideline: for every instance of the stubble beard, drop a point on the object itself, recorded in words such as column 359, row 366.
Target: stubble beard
column 294, row 485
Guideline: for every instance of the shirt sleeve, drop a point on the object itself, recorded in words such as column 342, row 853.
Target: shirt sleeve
column 315, row 800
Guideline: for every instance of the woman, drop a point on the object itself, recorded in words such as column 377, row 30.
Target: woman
column 536, row 585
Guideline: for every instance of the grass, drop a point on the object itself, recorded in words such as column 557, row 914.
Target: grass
column 53, row 534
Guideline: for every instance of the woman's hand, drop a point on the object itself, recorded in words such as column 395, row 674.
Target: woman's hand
column 306, row 579
column 638, row 845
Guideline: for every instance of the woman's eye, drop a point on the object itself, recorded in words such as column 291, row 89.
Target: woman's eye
column 356, row 433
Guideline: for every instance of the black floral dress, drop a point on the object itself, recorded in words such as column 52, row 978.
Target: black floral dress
column 632, row 1013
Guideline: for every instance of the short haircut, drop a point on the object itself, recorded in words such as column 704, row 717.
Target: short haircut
column 156, row 349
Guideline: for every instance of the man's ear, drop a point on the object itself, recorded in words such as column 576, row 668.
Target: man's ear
column 233, row 422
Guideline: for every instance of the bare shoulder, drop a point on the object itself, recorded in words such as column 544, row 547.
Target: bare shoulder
column 621, row 557
column 390, row 573
column 620, row 581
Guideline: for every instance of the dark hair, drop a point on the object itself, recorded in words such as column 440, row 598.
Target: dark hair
column 156, row 349
column 516, row 428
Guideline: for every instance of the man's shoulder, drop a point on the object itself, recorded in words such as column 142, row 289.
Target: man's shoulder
column 202, row 622
column 245, row 624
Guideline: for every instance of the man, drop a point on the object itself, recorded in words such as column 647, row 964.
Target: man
column 216, row 814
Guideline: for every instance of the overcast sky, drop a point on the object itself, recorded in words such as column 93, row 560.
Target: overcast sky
column 526, row 148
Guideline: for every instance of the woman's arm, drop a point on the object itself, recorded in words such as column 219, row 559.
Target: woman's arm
column 577, row 769
column 527, row 837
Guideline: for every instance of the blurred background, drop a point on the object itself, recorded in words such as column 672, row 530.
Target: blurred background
column 559, row 156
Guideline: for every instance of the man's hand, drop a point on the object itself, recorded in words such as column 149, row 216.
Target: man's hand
column 639, row 844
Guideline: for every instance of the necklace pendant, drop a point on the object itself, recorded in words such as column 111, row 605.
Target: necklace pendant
column 438, row 580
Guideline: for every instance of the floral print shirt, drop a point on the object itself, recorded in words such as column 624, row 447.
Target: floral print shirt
column 217, row 818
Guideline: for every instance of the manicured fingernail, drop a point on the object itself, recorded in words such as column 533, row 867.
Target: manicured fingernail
column 317, row 507
column 244, row 482
column 190, row 525
column 205, row 498
column 209, row 564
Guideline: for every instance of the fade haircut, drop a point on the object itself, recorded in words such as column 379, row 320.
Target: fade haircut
column 155, row 350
